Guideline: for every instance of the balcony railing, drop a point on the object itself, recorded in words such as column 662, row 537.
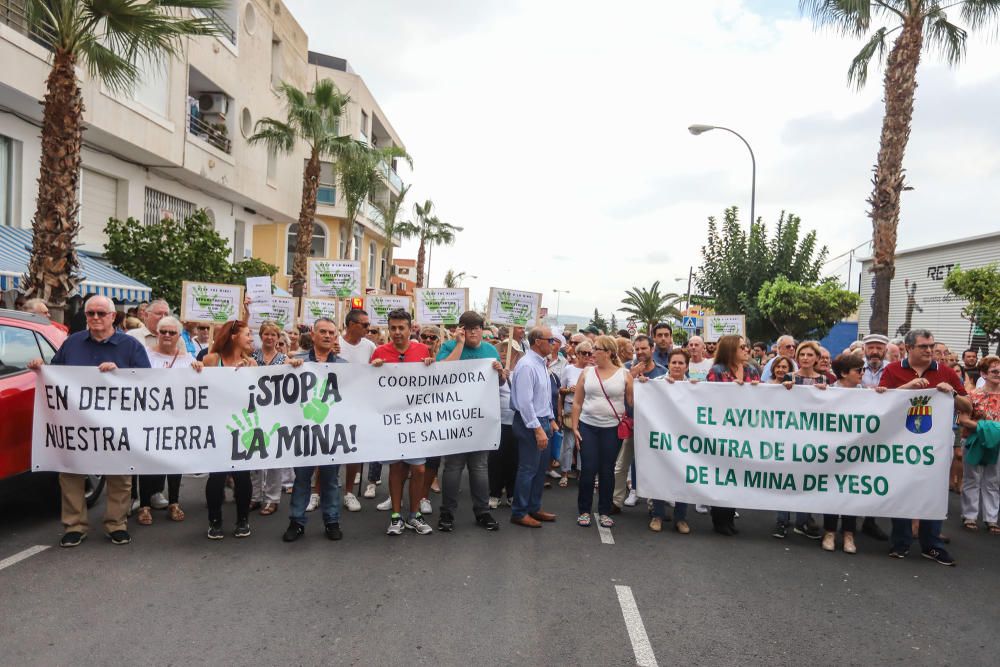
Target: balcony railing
column 14, row 14
column 225, row 30
column 391, row 176
column 210, row 133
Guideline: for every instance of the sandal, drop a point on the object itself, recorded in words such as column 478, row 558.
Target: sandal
column 993, row 528
column 564, row 482
column 268, row 509
column 175, row 512
column 583, row 520
column 969, row 524
column 606, row 521
column 144, row 517
column 255, row 505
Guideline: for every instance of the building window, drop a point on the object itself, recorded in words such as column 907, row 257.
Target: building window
column 272, row 168
column 327, row 193
column 372, row 255
column 318, row 244
column 276, row 68
column 364, row 127
column 152, row 89
column 358, row 240
column 6, row 180
column 239, row 241
column 343, row 242
column 161, row 206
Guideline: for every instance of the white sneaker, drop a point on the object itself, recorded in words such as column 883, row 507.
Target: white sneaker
column 313, row 503
column 425, row 506
column 357, row 478
column 351, row 503
column 554, row 474
column 385, row 505
column 369, row 490
column 158, row 501
column 494, row 502
column 418, row 524
column 632, row 499
column 701, row 509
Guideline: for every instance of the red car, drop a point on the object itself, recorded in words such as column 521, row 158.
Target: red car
column 23, row 337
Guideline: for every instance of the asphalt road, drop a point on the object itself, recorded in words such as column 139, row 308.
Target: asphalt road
column 518, row 596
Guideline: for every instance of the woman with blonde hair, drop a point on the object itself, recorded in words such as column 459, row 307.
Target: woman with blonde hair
column 598, row 409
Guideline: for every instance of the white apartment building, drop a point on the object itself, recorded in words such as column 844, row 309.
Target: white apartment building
column 178, row 142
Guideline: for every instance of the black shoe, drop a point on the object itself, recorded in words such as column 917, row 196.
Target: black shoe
column 120, row 537
column 293, row 532
column 871, row 529
column 72, row 539
column 724, row 529
column 487, row 521
column 812, row 532
column 215, row 530
column 939, row 555
column 446, row 522
column 242, row 528
column 333, row 531
column 780, row 530
column 898, row 553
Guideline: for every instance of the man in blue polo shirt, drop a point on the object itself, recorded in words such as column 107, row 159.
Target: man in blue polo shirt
column 468, row 344
column 99, row 345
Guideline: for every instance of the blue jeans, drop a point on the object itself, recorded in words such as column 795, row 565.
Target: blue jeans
column 532, row 464
column 929, row 536
column 329, row 493
column 598, row 450
column 800, row 517
column 660, row 510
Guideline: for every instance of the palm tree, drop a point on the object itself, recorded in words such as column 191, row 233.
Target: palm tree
column 649, row 306
column 393, row 227
column 431, row 231
column 107, row 39
column 452, row 279
column 313, row 118
column 921, row 24
column 363, row 170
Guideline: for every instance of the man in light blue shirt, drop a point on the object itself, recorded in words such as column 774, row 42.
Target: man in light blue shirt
column 534, row 423
column 786, row 348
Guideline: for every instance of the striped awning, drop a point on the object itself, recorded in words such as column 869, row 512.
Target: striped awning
column 98, row 276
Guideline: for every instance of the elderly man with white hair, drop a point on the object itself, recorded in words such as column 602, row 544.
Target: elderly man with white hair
column 101, row 345
column 146, row 334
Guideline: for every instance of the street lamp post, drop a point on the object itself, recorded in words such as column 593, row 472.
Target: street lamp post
column 700, row 129
column 559, row 293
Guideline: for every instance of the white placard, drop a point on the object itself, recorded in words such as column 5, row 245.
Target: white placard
column 282, row 311
column 833, row 451
column 378, row 307
column 314, row 308
column 210, row 302
column 259, row 291
column 154, row 421
column 717, row 326
column 334, row 278
column 440, row 305
column 514, row 307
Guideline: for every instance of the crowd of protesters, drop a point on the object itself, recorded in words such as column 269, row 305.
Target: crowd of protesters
column 566, row 404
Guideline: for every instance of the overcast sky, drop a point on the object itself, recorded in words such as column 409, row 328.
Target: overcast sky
column 555, row 132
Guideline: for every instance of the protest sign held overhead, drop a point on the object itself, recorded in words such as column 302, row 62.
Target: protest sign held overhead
column 213, row 303
column 334, row 278
column 838, row 451
column 281, row 310
column 514, row 307
column 717, row 326
column 179, row 421
column 378, row 307
column 312, row 309
column 441, row 305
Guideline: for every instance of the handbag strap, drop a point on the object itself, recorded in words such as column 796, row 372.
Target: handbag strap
column 608, row 398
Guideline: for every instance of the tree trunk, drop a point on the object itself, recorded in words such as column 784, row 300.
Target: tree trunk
column 421, row 257
column 307, row 213
column 888, row 180
column 53, row 271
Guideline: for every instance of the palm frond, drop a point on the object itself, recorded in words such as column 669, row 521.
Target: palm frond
column 978, row 14
column 876, row 47
column 279, row 137
column 848, row 17
column 117, row 73
column 945, row 37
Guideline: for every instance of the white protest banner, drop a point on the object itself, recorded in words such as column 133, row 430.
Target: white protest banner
column 210, row 302
column 717, row 326
column 514, row 307
column 440, row 305
column 281, row 311
column 838, row 451
column 334, row 278
column 313, row 308
column 179, row 421
column 378, row 307
column 259, row 291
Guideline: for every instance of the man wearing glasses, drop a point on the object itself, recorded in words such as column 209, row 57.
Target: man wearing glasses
column 146, row 334
column 919, row 370
column 468, row 344
column 355, row 348
column 98, row 345
column 786, row 349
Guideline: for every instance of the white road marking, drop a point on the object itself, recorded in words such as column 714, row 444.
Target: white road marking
column 606, row 537
column 636, row 630
column 18, row 557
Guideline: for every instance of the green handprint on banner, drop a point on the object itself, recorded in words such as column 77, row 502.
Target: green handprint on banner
column 347, row 289
column 248, row 426
column 223, row 314
column 432, row 303
column 506, row 304
column 315, row 310
column 449, row 315
column 380, row 307
column 316, row 410
column 281, row 319
column 201, row 296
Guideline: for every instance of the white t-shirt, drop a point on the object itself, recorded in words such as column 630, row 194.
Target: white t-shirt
column 698, row 370
column 356, row 354
column 570, row 375
column 158, row 360
column 596, row 409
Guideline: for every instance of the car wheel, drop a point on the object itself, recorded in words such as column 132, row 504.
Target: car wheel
column 92, row 487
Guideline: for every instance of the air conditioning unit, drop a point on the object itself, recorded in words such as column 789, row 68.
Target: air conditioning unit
column 210, row 103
